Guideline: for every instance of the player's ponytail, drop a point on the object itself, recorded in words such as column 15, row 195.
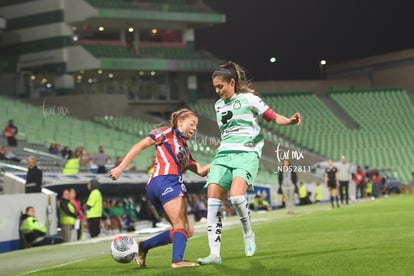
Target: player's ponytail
column 232, row 70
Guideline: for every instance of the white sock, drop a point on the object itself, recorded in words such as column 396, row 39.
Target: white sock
column 242, row 208
column 214, row 225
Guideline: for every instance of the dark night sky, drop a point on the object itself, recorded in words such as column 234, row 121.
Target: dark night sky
column 299, row 33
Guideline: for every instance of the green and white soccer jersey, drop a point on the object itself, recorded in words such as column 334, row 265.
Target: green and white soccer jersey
column 237, row 119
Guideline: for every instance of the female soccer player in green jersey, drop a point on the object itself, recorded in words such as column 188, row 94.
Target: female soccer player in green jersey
column 234, row 168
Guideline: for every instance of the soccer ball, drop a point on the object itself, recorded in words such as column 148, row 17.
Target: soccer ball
column 124, row 249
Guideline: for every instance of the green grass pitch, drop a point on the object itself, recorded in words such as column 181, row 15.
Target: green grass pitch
column 364, row 238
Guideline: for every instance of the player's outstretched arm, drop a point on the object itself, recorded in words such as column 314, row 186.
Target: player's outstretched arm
column 116, row 172
column 295, row 119
column 197, row 168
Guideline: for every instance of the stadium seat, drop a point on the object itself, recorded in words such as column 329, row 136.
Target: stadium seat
column 382, row 139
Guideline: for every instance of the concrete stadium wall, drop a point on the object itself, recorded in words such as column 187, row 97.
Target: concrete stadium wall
column 13, row 205
column 387, row 70
column 395, row 77
column 316, row 86
column 10, row 85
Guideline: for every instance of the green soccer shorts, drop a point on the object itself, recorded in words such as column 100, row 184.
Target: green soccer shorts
column 227, row 165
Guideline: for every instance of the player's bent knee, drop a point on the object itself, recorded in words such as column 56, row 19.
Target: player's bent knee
column 182, row 231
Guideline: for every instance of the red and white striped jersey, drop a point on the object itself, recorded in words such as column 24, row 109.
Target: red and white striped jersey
column 172, row 153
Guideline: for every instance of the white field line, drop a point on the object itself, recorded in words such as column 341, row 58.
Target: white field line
column 50, row 267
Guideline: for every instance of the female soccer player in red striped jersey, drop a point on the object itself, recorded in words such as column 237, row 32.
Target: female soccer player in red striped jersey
column 165, row 188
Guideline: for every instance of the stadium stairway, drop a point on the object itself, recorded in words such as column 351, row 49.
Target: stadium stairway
column 338, row 112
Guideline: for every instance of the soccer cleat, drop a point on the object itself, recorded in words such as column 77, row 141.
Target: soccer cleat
column 209, row 260
column 249, row 245
column 184, row 264
column 142, row 254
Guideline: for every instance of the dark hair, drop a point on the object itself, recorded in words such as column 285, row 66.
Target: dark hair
column 94, row 184
column 180, row 114
column 232, row 70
